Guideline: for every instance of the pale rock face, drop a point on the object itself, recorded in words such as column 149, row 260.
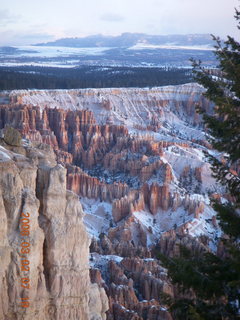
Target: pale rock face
column 63, row 228
column 59, row 245
column 98, row 303
column 16, row 199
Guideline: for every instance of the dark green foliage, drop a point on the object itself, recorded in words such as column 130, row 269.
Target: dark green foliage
column 209, row 284
column 229, row 219
column 28, row 77
column 208, row 279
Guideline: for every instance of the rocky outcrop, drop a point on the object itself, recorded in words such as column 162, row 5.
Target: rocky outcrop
column 171, row 241
column 134, row 201
column 98, row 302
column 91, row 187
column 12, row 136
column 151, row 277
column 32, row 183
column 153, row 198
column 75, row 132
column 135, row 284
column 134, row 287
column 66, row 287
column 119, row 242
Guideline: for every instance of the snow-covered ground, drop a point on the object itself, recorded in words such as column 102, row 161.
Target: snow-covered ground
column 144, row 46
column 57, row 56
column 47, row 56
column 98, row 216
column 168, row 220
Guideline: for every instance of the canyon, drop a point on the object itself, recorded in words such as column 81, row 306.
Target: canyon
column 133, row 161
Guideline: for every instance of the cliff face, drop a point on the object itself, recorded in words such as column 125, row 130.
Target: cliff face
column 32, row 182
column 141, row 108
column 91, row 187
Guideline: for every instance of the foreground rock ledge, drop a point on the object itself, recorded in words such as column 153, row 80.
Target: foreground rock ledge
column 31, row 181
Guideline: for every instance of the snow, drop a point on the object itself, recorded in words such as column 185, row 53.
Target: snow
column 163, row 221
column 51, row 52
column 144, row 46
column 204, row 226
column 101, row 261
column 4, row 154
column 98, row 216
column 53, row 56
column 47, row 56
column 39, row 64
column 179, row 158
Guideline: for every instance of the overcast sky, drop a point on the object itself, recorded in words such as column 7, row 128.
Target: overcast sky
column 31, row 21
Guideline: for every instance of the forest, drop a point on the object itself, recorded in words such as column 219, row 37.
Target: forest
column 32, row 77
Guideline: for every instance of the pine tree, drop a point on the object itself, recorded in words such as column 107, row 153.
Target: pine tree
column 212, row 282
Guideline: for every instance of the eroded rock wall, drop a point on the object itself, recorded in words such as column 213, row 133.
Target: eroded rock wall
column 32, row 182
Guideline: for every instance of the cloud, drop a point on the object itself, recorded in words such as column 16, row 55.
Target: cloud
column 36, row 37
column 6, row 17
column 112, row 17
column 10, row 38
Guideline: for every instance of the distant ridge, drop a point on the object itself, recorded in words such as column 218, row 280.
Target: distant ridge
column 131, row 39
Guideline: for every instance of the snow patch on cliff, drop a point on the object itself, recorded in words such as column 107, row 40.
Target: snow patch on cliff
column 98, row 216
column 4, row 154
